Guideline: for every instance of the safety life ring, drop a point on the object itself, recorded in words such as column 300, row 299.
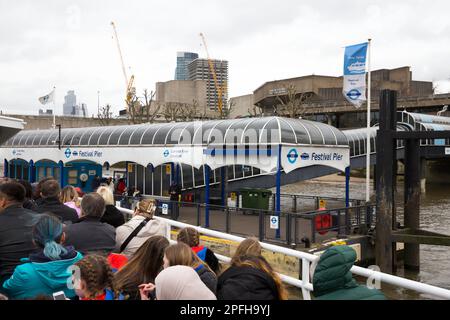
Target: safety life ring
column 323, row 223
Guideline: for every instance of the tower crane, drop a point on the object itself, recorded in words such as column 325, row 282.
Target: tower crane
column 128, row 82
column 219, row 88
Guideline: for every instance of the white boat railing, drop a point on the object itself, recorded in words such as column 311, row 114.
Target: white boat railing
column 307, row 259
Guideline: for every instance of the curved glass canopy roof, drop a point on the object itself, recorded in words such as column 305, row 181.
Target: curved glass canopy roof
column 264, row 131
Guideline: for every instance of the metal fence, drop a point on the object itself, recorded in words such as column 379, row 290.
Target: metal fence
column 296, row 229
column 304, row 282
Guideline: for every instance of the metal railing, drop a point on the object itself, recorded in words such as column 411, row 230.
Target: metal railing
column 304, row 282
column 297, row 227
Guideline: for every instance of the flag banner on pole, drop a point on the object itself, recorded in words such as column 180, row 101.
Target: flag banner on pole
column 355, row 74
column 47, row 98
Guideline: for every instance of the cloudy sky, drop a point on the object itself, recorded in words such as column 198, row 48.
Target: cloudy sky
column 69, row 44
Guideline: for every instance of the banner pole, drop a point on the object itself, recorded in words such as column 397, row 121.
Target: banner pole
column 368, row 122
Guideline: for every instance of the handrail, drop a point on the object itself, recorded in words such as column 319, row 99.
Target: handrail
column 307, row 258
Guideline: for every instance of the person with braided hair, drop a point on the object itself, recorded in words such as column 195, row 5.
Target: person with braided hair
column 46, row 270
column 191, row 237
column 94, row 279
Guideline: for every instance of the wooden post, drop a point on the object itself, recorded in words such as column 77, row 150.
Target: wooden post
column 385, row 175
column 412, row 200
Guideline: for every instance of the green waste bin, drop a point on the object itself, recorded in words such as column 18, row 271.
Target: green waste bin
column 255, row 198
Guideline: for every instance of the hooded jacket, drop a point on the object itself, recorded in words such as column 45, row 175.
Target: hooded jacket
column 333, row 280
column 42, row 276
column 152, row 228
column 246, row 283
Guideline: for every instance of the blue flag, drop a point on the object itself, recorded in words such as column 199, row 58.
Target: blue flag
column 354, row 88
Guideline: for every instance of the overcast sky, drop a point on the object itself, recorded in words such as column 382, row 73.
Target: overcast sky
column 69, row 44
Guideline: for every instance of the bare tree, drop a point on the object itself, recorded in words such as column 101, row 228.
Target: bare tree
column 189, row 112
column 294, row 104
column 105, row 115
column 226, row 112
column 142, row 111
column 172, row 111
column 256, row 111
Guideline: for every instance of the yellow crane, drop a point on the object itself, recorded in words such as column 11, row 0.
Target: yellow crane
column 128, row 82
column 220, row 88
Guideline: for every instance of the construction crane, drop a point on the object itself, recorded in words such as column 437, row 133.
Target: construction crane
column 220, row 88
column 128, row 82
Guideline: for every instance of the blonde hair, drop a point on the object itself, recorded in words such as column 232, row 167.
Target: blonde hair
column 181, row 254
column 146, row 208
column 69, row 194
column 106, row 194
column 249, row 246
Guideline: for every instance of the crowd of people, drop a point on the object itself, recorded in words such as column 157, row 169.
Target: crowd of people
column 52, row 241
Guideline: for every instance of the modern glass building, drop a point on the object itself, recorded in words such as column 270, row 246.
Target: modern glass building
column 183, row 59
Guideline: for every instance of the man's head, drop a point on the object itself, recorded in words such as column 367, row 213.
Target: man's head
column 50, row 189
column 11, row 192
column 92, row 205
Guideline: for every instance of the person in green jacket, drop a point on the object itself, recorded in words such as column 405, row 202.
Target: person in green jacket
column 333, row 280
column 47, row 270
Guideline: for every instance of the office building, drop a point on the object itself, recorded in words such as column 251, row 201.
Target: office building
column 183, row 60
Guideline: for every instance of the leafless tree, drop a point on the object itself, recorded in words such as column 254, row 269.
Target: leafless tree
column 142, row 110
column 293, row 104
column 105, row 115
column 256, row 111
column 226, row 112
column 189, row 112
column 172, row 111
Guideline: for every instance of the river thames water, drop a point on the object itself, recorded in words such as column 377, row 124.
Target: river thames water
column 435, row 216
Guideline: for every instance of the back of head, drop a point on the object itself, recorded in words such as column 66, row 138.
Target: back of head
column 146, row 207
column 28, row 188
column 179, row 254
column 189, row 236
column 106, row 194
column 333, row 270
column 47, row 234
column 50, row 189
column 93, row 205
column 68, row 194
column 96, row 272
column 249, row 246
column 12, row 191
column 146, row 264
column 181, row 283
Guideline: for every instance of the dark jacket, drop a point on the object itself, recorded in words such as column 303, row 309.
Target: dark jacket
column 246, row 283
column 208, row 256
column 30, row 204
column 89, row 235
column 113, row 216
column 54, row 206
column 208, row 278
column 16, row 241
column 333, row 279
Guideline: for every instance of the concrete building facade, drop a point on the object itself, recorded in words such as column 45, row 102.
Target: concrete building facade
column 199, row 70
column 241, row 106
column 326, row 102
column 185, row 92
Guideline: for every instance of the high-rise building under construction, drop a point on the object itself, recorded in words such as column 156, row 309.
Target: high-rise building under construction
column 199, row 69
